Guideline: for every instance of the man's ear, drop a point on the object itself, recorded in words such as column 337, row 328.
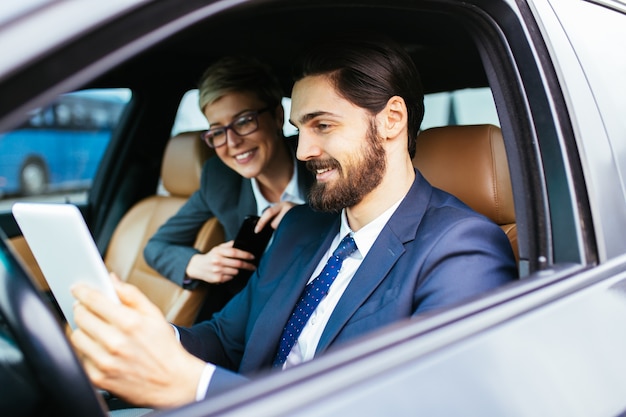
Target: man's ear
column 393, row 118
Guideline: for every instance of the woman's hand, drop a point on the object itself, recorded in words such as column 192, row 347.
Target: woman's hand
column 223, row 262
column 220, row 264
column 274, row 214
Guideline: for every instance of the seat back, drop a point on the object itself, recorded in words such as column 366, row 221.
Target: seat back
column 470, row 163
column 180, row 174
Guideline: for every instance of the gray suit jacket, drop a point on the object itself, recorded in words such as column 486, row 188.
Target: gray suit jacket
column 223, row 194
column 433, row 252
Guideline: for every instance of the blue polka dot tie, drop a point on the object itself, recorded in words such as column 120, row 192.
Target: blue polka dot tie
column 311, row 297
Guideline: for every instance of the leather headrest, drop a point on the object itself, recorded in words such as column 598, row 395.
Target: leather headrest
column 182, row 163
column 470, row 163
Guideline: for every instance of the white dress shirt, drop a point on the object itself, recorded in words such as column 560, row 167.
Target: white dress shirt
column 292, row 193
column 305, row 346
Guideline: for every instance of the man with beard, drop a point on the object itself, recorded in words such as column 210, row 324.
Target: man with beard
column 378, row 244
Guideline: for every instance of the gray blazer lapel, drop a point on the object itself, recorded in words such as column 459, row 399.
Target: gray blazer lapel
column 247, row 203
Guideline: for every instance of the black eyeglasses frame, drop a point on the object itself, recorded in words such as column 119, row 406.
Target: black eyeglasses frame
column 232, row 126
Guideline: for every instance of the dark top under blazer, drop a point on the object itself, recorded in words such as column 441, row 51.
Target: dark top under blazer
column 433, row 252
column 223, row 194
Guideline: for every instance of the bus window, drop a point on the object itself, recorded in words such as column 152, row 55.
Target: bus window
column 56, row 152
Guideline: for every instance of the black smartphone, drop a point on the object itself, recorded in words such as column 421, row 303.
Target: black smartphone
column 255, row 243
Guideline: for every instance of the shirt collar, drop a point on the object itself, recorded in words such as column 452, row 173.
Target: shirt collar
column 292, row 192
column 367, row 235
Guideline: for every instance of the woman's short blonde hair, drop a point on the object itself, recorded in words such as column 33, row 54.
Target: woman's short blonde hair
column 239, row 74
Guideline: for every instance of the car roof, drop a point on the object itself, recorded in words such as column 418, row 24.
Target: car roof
column 179, row 49
column 444, row 53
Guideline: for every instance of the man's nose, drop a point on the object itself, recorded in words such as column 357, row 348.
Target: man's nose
column 307, row 148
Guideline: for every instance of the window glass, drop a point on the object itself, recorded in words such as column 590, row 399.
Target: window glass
column 607, row 81
column 460, row 107
column 54, row 155
column 190, row 118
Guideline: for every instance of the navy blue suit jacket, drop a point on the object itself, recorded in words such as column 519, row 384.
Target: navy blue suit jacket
column 223, row 194
column 433, row 252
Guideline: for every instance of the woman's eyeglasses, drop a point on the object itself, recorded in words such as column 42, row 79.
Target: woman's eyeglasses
column 243, row 125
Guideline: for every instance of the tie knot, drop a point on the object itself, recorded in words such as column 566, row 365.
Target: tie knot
column 345, row 248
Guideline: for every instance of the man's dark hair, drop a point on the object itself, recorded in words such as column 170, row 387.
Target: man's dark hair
column 368, row 71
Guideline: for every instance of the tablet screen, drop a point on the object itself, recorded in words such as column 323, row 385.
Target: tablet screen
column 64, row 249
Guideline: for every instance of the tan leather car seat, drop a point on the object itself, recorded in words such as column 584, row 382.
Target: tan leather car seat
column 180, row 174
column 470, row 163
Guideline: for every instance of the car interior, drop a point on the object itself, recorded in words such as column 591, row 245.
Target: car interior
column 454, row 48
column 180, row 175
column 470, row 163
column 123, row 210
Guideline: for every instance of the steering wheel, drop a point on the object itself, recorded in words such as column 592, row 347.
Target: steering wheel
column 63, row 383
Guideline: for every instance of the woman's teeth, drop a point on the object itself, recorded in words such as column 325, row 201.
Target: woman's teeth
column 243, row 155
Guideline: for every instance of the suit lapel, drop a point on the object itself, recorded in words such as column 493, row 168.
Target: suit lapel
column 380, row 260
column 264, row 337
column 370, row 274
column 386, row 251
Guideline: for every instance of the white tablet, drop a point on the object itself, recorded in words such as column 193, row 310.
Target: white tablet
column 64, row 249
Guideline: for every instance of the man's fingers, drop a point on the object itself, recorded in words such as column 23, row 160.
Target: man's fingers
column 94, row 300
column 88, row 323
column 133, row 302
column 132, row 297
column 85, row 344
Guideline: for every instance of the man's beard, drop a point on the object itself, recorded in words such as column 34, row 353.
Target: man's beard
column 364, row 173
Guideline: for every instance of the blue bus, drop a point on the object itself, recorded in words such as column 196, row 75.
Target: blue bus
column 60, row 146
